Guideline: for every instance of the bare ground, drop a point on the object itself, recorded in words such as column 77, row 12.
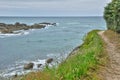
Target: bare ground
column 112, row 70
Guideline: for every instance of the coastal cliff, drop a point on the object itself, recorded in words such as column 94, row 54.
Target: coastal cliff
column 83, row 63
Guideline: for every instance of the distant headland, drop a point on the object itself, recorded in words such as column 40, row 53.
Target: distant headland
column 11, row 28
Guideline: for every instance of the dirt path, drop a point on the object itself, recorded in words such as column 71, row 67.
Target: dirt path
column 112, row 70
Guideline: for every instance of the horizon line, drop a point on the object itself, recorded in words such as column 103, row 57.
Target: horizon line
column 51, row 16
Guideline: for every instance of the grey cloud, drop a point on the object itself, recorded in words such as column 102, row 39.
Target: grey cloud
column 53, row 7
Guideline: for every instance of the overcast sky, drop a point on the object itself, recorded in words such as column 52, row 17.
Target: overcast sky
column 52, row 7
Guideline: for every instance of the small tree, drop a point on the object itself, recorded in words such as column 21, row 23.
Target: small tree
column 112, row 15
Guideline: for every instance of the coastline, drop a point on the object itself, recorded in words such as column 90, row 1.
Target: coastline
column 72, row 57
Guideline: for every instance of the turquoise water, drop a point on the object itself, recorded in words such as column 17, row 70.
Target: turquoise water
column 50, row 42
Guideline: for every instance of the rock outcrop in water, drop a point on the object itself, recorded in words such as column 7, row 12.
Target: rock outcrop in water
column 49, row 60
column 39, row 65
column 10, row 28
column 28, row 66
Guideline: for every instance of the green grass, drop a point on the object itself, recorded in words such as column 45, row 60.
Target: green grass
column 83, row 65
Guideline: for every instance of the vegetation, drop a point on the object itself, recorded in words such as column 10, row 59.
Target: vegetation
column 82, row 65
column 112, row 15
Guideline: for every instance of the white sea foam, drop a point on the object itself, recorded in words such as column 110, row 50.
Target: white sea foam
column 21, row 32
column 18, row 68
column 15, row 33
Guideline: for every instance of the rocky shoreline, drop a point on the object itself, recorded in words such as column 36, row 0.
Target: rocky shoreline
column 11, row 28
column 30, row 65
column 27, row 68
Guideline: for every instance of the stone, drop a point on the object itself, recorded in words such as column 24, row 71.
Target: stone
column 28, row 66
column 49, row 60
column 39, row 65
column 10, row 28
column 15, row 75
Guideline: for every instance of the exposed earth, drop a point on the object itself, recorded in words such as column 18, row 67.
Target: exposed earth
column 112, row 70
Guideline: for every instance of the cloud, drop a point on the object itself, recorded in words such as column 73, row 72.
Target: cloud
column 49, row 7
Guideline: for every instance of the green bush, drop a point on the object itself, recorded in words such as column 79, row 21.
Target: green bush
column 112, row 15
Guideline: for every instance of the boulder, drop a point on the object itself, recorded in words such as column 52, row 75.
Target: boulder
column 15, row 75
column 49, row 60
column 54, row 24
column 17, row 24
column 46, row 23
column 39, row 65
column 2, row 24
column 6, row 30
column 37, row 26
column 28, row 66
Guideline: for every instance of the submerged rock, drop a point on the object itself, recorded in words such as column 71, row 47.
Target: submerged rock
column 28, row 66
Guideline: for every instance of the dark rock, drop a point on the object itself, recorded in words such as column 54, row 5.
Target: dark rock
column 49, row 60
column 37, row 26
column 6, row 31
column 39, row 65
column 10, row 28
column 28, row 66
column 15, row 75
column 54, row 24
column 2, row 24
column 17, row 24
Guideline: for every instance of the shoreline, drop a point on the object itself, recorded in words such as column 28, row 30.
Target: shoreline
column 43, row 65
column 72, row 56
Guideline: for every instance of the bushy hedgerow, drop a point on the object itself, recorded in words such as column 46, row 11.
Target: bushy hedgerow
column 112, row 15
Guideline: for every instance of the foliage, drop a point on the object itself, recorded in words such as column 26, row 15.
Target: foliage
column 112, row 15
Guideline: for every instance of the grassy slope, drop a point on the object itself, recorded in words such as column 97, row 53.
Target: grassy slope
column 83, row 65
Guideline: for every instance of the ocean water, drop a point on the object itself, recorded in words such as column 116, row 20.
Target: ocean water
column 38, row 45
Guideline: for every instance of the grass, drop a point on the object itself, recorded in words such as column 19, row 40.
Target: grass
column 82, row 65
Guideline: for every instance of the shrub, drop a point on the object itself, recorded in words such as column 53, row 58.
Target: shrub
column 112, row 15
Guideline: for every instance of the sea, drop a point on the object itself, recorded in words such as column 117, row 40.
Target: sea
column 38, row 45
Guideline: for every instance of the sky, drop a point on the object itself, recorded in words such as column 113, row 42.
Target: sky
column 52, row 7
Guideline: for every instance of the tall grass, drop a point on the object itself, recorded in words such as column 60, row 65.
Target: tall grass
column 82, row 65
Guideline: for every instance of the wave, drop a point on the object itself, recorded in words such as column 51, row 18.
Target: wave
column 22, row 32
column 18, row 68
column 19, row 33
column 15, row 33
